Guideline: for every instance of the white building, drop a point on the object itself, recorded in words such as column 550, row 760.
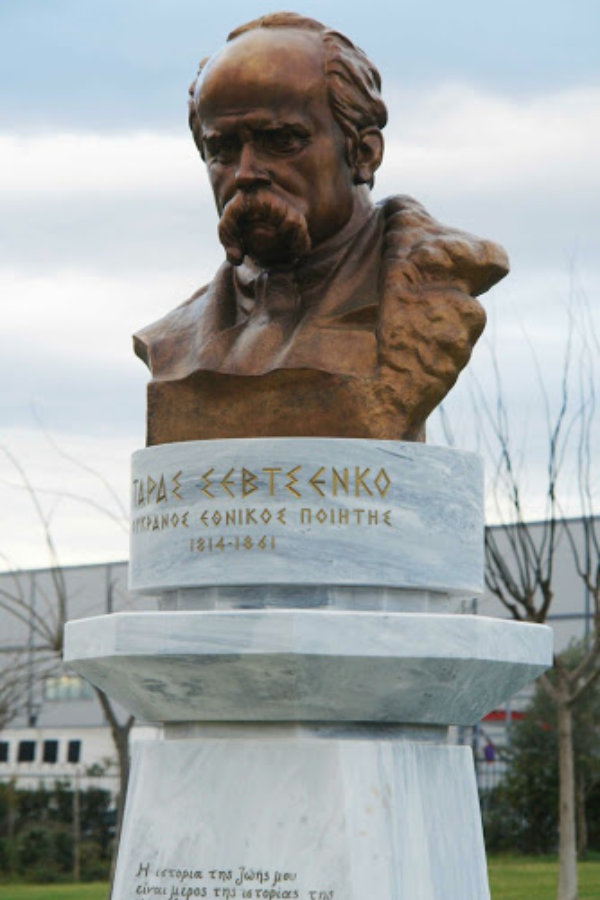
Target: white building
column 59, row 731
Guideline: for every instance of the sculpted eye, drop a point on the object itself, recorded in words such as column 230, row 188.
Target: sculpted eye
column 281, row 141
column 221, row 149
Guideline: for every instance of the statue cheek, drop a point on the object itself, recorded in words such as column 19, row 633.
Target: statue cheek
column 222, row 187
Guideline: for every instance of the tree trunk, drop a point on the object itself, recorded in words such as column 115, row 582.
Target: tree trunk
column 12, row 819
column 582, row 832
column 120, row 735
column 121, row 739
column 76, row 829
column 123, row 752
column 567, row 848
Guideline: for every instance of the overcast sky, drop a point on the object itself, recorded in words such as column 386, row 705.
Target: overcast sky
column 108, row 221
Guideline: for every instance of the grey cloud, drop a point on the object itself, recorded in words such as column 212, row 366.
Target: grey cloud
column 119, row 64
column 83, row 397
column 121, row 234
column 113, row 233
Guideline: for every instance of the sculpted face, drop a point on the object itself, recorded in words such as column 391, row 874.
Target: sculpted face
column 276, row 158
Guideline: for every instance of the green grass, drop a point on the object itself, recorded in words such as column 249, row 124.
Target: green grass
column 511, row 878
column 96, row 891
column 527, row 878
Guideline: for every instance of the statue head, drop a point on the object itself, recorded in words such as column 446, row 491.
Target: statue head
column 288, row 118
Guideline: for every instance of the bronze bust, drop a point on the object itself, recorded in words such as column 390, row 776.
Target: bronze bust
column 332, row 316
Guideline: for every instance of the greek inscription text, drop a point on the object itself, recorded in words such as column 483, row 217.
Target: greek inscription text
column 242, row 881
column 156, row 489
column 160, row 522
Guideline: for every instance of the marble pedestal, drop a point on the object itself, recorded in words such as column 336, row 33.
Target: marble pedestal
column 305, row 708
column 342, row 813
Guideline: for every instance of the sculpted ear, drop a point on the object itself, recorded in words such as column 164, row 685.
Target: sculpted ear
column 367, row 155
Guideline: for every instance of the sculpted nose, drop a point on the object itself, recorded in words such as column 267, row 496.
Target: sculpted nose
column 250, row 174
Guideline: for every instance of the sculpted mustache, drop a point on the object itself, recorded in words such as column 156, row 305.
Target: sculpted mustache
column 264, row 207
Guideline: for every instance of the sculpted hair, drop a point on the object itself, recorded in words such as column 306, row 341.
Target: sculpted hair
column 353, row 82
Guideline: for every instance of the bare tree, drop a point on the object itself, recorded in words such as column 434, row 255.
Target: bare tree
column 14, row 670
column 43, row 618
column 521, row 557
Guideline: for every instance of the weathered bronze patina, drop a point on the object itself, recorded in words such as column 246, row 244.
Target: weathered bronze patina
column 332, row 316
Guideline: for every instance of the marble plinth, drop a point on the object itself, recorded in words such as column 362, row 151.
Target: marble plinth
column 307, row 665
column 306, row 816
column 306, row 512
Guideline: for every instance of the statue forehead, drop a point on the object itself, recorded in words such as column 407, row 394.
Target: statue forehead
column 263, row 64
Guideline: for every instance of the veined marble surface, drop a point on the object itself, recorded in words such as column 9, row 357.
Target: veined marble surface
column 302, row 820
column 325, row 596
column 312, row 665
column 306, row 512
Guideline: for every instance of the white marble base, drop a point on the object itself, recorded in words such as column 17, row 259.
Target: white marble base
column 307, row 665
column 306, row 512
column 302, row 819
column 301, row 802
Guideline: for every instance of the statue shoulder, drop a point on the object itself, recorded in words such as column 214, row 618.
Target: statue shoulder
column 168, row 345
column 149, row 342
column 429, row 317
column 436, row 252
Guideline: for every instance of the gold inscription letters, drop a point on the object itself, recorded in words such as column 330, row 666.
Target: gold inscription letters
column 297, row 481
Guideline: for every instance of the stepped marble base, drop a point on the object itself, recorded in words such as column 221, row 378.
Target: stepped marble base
column 242, row 801
column 307, row 585
column 307, row 665
column 354, row 814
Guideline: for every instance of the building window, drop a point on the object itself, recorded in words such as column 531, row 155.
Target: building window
column 74, row 751
column 50, row 752
column 4, row 745
column 26, row 752
column 67, row 687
